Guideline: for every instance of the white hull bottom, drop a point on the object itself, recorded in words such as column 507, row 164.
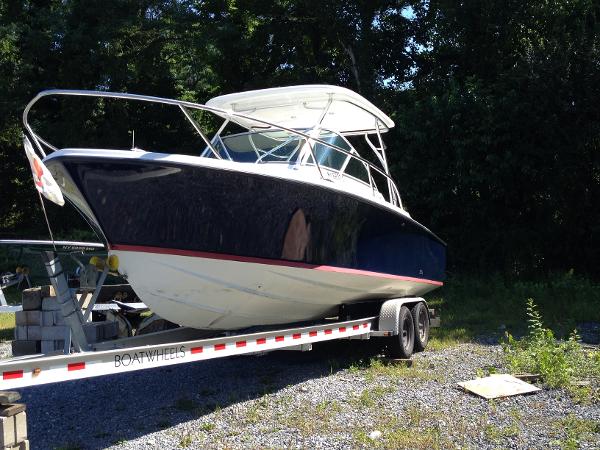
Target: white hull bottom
column 221, row 294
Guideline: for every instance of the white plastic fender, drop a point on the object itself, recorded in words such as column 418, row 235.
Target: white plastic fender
column 389, row 315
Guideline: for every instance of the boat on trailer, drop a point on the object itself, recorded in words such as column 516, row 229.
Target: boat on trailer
column 283, row 222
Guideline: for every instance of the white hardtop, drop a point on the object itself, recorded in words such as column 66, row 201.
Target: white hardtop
column 305, row 107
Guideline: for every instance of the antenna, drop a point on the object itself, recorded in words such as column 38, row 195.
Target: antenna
column 132, row 139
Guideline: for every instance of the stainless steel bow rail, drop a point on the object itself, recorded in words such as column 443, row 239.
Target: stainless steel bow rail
column 184, row 106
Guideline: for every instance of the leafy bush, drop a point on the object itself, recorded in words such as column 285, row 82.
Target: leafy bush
column 559, row 362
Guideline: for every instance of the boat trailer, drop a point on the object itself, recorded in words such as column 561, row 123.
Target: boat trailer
column 183, row 345
column 82, row 359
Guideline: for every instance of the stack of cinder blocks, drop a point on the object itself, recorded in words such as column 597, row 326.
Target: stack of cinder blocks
column 40, row 327
column 13, row 422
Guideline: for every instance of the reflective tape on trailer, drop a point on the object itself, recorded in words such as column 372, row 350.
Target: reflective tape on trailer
column 51, row 369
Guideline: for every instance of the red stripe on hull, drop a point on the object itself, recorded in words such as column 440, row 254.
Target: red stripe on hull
column 272, row 262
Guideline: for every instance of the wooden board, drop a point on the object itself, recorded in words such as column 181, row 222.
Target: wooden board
column 498, row 385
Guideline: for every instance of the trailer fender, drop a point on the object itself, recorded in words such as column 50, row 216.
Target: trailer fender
column 389, row 315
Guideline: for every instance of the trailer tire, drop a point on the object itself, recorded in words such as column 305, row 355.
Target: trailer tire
column 403, row 344
column 420, row 316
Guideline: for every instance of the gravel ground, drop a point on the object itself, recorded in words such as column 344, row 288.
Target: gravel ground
column 305, row 400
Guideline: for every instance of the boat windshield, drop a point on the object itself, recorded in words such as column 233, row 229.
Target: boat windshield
column 328, row 156
column 283, row 147
column 266, row 146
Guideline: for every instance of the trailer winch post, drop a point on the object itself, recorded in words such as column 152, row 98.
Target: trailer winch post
column 70, row 308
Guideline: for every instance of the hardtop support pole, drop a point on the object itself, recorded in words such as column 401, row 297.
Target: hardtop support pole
column 69, row 306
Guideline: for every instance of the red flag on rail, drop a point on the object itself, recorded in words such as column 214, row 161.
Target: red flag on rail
column 42, row 178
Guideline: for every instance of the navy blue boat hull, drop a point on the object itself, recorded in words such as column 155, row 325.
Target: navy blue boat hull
column 157, row 204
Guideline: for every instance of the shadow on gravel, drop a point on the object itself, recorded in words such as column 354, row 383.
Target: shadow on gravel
column 99, row 412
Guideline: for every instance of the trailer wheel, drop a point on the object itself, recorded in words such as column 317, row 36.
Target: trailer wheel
column 402, row 345
column 420, row 317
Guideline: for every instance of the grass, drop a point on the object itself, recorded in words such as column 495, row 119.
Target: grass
column 254, row 413
column 560, row 363
column 470, row 306
column 186, row 440
column 398, row 434
column 369, row 398
column 577, row 431
column 309, row 419
column 207, row 427
column 7, row 327
column 495, row 433
column 444, row 337
column 374, row 368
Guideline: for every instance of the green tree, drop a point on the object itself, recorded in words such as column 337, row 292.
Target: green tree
column 502, row 120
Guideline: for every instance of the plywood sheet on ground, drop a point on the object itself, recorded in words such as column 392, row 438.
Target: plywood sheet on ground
column 498, row 385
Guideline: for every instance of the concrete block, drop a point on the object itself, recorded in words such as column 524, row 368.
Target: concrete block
column 94, row 331
column 21, row 332
column 32, row 299
column 50, row 304
column 58, row 318
column 34, row 317
column 28, row 317
column 9, row 397
column 47, row 291
column 20, row 426
column 21, row 318
column 7, row 431
column 99, row 331
column 52, row 346
column 11, row 409
column 111, row 330
column 34, row 332
column 47, row 347
column 20, row 348
column 53, row 333
column 48, row 318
